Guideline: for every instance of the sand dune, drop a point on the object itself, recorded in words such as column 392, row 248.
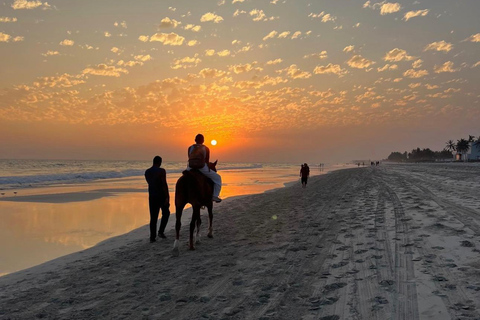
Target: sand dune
column 388, row 242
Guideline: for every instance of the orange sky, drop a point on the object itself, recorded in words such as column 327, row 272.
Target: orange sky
column 283, row 81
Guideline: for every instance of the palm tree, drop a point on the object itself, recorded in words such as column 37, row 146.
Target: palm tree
column 451, row 146
column 462, row 147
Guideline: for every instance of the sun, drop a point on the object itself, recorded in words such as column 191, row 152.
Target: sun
column 214, row 142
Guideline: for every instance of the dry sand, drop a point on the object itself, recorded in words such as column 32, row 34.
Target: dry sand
column 388, row 242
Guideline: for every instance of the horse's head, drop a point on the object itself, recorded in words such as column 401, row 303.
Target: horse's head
column 213, row 165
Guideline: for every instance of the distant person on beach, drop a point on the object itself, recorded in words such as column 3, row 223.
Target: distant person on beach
column 304, row 173
column 158, row 198
column 198, row 158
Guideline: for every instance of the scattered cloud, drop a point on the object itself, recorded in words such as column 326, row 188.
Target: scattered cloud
column 209, row 52
column 212, row 73
column 144, row 38
column 193, row 27
column 186, row 62
column 122, row 24
column 330, row 69
column 4, row 37
column 168, row 23
column 50, row 53
column 417, row 64
column 387, row 67
column 209, row 16
column 270, row 35
column 321, row 55
column 446, row 67
column 223, row 53
column 172, row 39
column 415, row 74
column 24, row 4
column 192, row 43
column 474, row 38
column 348, row 48
column 67, row 43
column 439, row 46
column 412, row 14
column 8, row 19
column 295, row 73
column 359, row 62
column 273, row 62
column 384, row 7
column 283, row 35
column 104, row 70
column 396, row 55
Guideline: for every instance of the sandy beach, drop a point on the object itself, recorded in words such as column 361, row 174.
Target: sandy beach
column 387, row 242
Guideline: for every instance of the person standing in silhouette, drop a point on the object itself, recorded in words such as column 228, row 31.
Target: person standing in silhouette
column 158, row 198
column 304, row 173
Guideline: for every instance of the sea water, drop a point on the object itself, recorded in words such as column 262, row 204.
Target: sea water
column 50, row 208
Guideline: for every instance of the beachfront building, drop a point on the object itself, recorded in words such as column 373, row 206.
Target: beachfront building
column 474, row 153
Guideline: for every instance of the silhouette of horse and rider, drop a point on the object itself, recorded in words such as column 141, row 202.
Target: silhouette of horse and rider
column 199, row 185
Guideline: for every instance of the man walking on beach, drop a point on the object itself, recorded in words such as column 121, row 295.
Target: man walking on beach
column 158, row 197
column 304, row 173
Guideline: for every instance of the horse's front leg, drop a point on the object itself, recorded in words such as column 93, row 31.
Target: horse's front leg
column 210, row 220
column 195, row 217
column 178, row 225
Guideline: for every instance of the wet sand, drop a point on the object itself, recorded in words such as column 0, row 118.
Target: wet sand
column 388, row 242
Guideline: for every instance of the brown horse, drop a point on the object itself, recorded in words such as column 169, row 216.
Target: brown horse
column 195, row 188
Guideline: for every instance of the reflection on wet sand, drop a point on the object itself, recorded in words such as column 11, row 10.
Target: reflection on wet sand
column 44, row 223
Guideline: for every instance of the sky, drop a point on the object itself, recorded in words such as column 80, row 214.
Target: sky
column 270, row 80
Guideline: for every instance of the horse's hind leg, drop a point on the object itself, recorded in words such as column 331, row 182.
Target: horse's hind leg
column 178, row 225
column 195, row 217
column 199, row 223
column 210, row 220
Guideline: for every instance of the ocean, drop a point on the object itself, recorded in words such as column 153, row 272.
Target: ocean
column 50, row 208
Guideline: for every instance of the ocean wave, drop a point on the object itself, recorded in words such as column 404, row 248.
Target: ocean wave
column 26, row 181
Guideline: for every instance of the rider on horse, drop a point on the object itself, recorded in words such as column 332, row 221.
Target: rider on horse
column 198, row 158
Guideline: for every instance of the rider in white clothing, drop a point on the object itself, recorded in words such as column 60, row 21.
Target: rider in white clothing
column 215, row 177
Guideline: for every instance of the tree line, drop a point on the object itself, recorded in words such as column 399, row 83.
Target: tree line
column 461, row 146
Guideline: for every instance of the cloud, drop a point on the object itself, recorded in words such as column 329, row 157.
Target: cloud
column 107, row 34
column 348, row 49
column 209, row 52
column 415, row 74
column 122, row 24
column 223, row 53
column 193, row 27
column 283, row 34
column 4, row 37
column 258, row 15
column 384, row 7
column 8, row 19
column 387, row 67
column 273, row 62
column 212, row 73
column 388, row 7
column 143, row 58
column 396, row 55
column 104, row 70
column 50, row 53
column 295, row 73
column 143, row 38
column 187, row 62
column 209, row 16
column 168, row 23
column 328, row 17
column 241, row 68
column 446, row 67
column 476, row 64
column 439, row 46
column 296, row 35
column 192, row 43
column 115, row 50
column 270, row 35
column 172, row 39
column 321, row 55
column 24, row 4
column 237, row 1
column 412, row 14
column 359, row 62
column 330, row 69
column 67, row 43
column 474, row 38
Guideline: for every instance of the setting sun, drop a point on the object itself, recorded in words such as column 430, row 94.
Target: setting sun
column 214, row 142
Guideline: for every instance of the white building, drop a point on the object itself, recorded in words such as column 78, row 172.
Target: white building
column 474, row 153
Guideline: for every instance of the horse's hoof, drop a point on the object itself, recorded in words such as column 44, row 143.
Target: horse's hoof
column 210, row 236
column 175, row 252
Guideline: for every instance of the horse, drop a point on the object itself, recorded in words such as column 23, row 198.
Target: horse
column 195, row 188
